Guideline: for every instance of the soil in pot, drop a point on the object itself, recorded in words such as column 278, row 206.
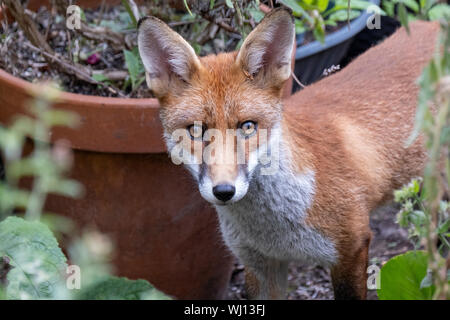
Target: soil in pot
column 111, row 64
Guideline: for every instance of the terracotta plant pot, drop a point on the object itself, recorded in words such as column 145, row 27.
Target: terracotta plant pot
column 163, row 230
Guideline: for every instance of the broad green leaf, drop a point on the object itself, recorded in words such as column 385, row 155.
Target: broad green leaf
column 115, row 288
column 401, row 277
column 229, row 4
column 321, row 5
column 342, row 15
column 439, row 11
column 37, row 260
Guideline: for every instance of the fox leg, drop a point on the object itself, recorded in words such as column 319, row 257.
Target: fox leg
column 265, row 278
column 350, row 274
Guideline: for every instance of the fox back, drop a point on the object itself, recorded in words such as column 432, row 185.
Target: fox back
column 291, row 180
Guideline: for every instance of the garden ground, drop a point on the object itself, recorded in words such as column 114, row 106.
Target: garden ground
column 314, row 282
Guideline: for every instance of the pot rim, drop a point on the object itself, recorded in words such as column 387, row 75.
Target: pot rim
column 96, row 101
column 129, row 125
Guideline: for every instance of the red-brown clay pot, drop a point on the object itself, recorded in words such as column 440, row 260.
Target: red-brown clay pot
column 163, row 230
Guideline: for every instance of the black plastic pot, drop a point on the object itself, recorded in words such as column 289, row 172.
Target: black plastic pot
column 312, row 58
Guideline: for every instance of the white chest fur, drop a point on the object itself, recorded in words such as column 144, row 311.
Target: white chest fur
column 270, row 219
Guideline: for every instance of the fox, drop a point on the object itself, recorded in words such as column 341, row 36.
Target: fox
column 339, row 144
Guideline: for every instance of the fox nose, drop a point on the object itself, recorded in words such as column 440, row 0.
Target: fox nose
column 224, row 192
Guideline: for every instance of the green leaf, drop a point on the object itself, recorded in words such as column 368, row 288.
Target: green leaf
column 342, row 15
column 444, row 227
column 439, row 11
column 115, row 288
column 130, row 12
column 297, row 10
column 99, row 77
column 134, row 65
column 59, row 117
column 37, row 260
column 256, row 14
column 411, row 4
column 320, row 5
column 319, row 30
column 401, row 277
column 403, row 16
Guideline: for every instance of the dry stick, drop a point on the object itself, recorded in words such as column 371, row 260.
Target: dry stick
column 182, row 23
column 68, row 67
column 32, row 33
column 69, row 40
column 27, row 25
column 40, row 45
column 117, row 40
column 73, row 69
column 220, row 23
column 102, row 12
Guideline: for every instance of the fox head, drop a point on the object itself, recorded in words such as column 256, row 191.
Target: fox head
column 220, row 113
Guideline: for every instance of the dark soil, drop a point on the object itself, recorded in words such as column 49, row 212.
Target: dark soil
column 17, row 58
column 28, row 64
column 314, row 282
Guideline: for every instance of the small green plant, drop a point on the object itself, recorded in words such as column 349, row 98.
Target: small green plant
column 135, row 67
column 410, row 10
column 315, row 15
column 32, row 265
column 425, row 274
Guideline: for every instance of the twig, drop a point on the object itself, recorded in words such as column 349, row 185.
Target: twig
column 69, row 68
column 69, row 40
column 27, row 24
column 182, row 23
column 77, row 70
column 112, row 75
column 220, row 23
column 102, row 12
column 116, row 39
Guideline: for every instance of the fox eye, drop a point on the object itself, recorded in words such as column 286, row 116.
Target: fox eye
column 248, row 128
column 196, row 131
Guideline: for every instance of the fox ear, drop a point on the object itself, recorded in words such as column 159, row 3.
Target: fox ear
column 168, row 59
column 266, row 53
